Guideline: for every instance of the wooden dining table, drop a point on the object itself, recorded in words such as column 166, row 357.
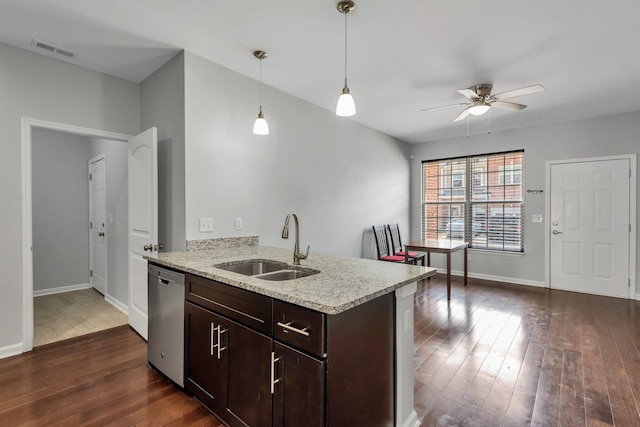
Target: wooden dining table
column 443, row 247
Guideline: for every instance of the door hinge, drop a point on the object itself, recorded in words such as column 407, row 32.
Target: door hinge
column 90, row 273
column 90, row 225
column 629, row 282
column 90, row 177
column 629, row 228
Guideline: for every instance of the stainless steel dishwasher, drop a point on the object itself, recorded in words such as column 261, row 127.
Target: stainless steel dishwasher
column 165, row 347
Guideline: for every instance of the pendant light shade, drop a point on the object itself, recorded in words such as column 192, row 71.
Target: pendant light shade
column 260, row 127
column 346, row 105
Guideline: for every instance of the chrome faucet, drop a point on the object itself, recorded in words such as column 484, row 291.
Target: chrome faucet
column 297, row 255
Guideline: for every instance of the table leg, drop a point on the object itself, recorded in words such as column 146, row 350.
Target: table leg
column 465, row 266
column 429, row 263
column 448, row 276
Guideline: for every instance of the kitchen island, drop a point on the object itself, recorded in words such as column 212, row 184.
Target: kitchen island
column 333, row 348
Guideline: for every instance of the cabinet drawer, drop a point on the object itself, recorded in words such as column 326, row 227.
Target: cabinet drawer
column 299, row 327
column 245, row 307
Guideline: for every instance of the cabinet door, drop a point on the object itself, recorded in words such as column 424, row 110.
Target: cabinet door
column 248, row 376
column 206, row 374
column 298, row 398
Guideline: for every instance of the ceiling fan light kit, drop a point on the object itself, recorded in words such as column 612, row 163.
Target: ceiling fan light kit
column 346, row 106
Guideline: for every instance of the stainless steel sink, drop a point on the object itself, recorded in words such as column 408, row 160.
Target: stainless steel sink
column 253, row 267
column 267, row 270
column 287, row 274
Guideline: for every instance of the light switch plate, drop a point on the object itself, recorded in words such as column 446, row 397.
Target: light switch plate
column 537, row 218
column 206, row 225
column 238, row 223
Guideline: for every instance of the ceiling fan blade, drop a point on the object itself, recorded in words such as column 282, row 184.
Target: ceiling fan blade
column 508, row 105
column 519, row 92
column 462, row 115
column 469, row 93
column 443, row 106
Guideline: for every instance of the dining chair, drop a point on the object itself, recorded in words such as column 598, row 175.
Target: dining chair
column 384, row 254
column 397, row 248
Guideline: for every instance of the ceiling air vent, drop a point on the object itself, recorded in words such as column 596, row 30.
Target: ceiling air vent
column 52, row 48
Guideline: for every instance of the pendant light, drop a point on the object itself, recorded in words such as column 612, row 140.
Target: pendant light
column 260, row 127
column 346, row 106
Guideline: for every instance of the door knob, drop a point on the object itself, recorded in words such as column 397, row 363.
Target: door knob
column 101, row 233
column 158, row 246
column 556, row 232
column 148, row 247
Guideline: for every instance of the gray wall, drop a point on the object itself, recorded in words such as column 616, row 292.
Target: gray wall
column 117, row 208
column 339, row 176
column 602, row 136
column 60, row 207
column 42, row 88
column 162, row 96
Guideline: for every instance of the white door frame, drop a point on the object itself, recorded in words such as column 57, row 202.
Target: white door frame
column 100, row 157
column 632, row 214
column 27, row 126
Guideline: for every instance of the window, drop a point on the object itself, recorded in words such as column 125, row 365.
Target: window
column 477, row 198
column 510, row 174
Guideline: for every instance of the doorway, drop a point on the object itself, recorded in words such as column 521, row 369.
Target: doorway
column 28, row 127
column 591, row 215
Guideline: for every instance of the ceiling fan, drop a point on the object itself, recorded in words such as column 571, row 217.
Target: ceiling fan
column 481, row 100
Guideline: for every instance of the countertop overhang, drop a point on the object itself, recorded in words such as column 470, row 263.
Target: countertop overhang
column 342, row 283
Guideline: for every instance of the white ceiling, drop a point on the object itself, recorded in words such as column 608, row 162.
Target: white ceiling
column 404, row 55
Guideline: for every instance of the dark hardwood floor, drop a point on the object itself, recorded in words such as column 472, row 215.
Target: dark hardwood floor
column 497, row 354
column 99, row 379
column 510, row 355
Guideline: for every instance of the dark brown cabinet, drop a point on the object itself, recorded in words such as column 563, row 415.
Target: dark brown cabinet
column 298, row 398
column 227, row 367
column 205, row 373
column 256, row 361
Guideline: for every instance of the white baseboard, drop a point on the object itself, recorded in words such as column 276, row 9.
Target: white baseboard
column 496, row 278
column 11, row 350
column 61, row 289
column 638, row 297
column 412, row 420
column 117, row 304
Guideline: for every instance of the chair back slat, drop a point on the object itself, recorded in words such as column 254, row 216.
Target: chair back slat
column 394, row 235
column 381, row 240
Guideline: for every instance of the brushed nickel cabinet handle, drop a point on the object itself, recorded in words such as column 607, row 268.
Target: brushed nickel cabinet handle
column 213, row 346
column 218, row 345
column 274, row 380
column 287, row 326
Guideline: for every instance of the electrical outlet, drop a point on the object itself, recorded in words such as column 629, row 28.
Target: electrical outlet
column 407, row 320
column 206, row 225
column 238, row 223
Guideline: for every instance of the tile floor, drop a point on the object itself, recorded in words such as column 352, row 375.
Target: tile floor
column 70, row 314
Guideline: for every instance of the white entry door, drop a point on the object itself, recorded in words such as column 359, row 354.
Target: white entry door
column 97, row 238
column 143, row 222
column 589, row 226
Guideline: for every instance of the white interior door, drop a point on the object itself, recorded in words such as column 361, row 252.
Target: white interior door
column 97, row 238
column 589, row 226
column 143, row 222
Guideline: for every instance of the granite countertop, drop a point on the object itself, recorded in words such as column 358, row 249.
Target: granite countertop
column 342, row 283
